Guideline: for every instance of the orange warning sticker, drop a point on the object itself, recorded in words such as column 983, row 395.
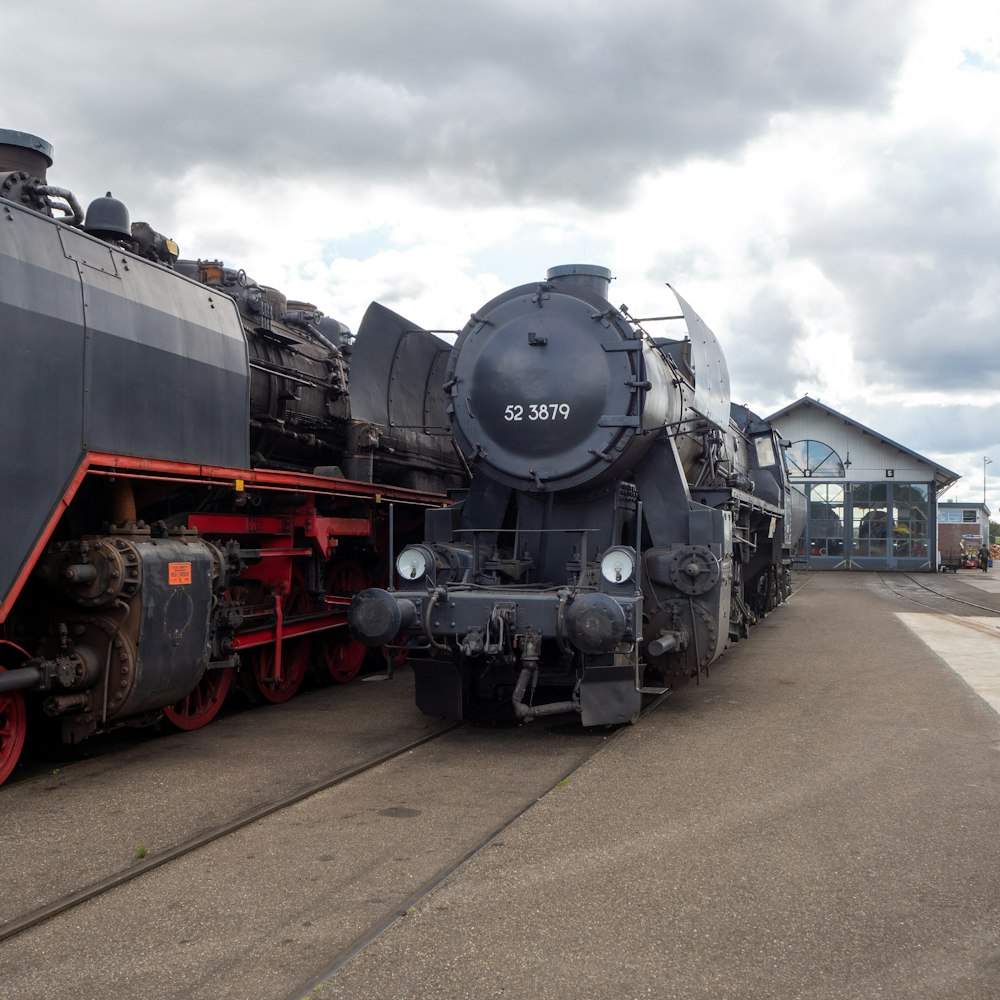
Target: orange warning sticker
column 178, row 573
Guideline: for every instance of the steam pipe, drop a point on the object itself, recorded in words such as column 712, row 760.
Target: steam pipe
column 523, row 711
column 526, row 712
column 67, row 196
column 21, row 678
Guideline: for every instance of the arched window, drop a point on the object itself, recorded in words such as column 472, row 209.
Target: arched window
column 814, row 458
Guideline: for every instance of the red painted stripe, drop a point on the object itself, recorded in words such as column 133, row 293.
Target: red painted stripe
column 101, row 464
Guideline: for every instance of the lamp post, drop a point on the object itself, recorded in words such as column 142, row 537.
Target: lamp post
column 986, row 461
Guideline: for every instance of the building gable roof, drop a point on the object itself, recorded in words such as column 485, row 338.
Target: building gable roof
column 943, row 478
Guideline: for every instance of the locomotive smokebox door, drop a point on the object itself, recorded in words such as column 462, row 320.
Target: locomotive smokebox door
column 545, row 388
column 174, row 627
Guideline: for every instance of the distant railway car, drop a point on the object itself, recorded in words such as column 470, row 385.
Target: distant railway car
column 624, row 522
column 187, row 490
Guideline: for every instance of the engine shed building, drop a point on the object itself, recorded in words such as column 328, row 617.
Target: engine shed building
column 872, row 503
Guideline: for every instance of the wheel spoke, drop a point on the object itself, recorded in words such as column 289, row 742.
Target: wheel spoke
column 398, row 650
column 294, row 661
column 200, row 706
column 343, row 655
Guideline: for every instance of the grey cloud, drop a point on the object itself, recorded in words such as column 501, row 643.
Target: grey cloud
column 760, row 352
column 468, row 100
column 959, row 428
column 759, row 342
column 919, row 259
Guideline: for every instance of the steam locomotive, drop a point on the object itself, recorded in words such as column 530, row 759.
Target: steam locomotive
column 623, row 524
column 188, row 486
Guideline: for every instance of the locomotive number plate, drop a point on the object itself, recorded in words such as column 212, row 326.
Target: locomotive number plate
column 178, row 574
column 536, row 411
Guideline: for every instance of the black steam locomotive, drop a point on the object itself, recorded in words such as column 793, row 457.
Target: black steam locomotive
column 187, row 487
column 624, row 522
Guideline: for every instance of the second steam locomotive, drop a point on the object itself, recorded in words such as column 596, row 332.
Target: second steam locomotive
column 624, row 521
column 196, row 474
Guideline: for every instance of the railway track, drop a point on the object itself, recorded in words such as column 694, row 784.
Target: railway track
column 143, row 866
column 316, row 985
column 28, row 920
column 275, row 898
column 916, row 589
column 943, row 600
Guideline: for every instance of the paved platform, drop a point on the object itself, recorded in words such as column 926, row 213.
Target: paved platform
column 989, row 584
column 819, row 819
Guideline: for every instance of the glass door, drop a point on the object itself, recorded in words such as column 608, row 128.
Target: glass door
column 871, row 527
column 890, row 528
column 824, row 533
column 911, row 543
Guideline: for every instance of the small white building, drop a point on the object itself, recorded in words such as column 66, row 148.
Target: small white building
column 962, row 528
column 871, row 503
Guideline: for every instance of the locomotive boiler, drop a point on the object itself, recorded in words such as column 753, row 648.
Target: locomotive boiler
column 623, row 524
column 187, row 490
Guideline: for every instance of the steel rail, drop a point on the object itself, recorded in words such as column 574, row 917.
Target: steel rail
column 936, row 593
column 34, row 917
column 322, row 978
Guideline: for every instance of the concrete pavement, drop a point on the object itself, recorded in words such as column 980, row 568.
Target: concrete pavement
column 820, row 819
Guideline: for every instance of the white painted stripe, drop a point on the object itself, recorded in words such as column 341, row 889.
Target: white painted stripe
column 981, row 581
column 972, row 651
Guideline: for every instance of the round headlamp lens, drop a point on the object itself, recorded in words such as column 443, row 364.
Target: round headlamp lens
column 411, row 564
column 618, row 565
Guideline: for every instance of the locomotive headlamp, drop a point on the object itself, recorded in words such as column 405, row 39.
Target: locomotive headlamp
column 411, row 563
column 618, row 565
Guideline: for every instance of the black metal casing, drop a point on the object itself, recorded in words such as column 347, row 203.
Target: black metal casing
column 186, row 491
column 105, row 352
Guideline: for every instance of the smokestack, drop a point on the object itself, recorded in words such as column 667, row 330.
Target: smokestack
column 589, row 276
column 21, row 151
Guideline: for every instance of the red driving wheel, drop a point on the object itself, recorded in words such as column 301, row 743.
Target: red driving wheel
column 398, row 651
column 13, row 727
column 343, row 655
column 294, row 660
column 299, row 601
column 198, row 707
column 345, row 578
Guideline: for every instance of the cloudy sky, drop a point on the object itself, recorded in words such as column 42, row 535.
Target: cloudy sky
column 818, row 178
